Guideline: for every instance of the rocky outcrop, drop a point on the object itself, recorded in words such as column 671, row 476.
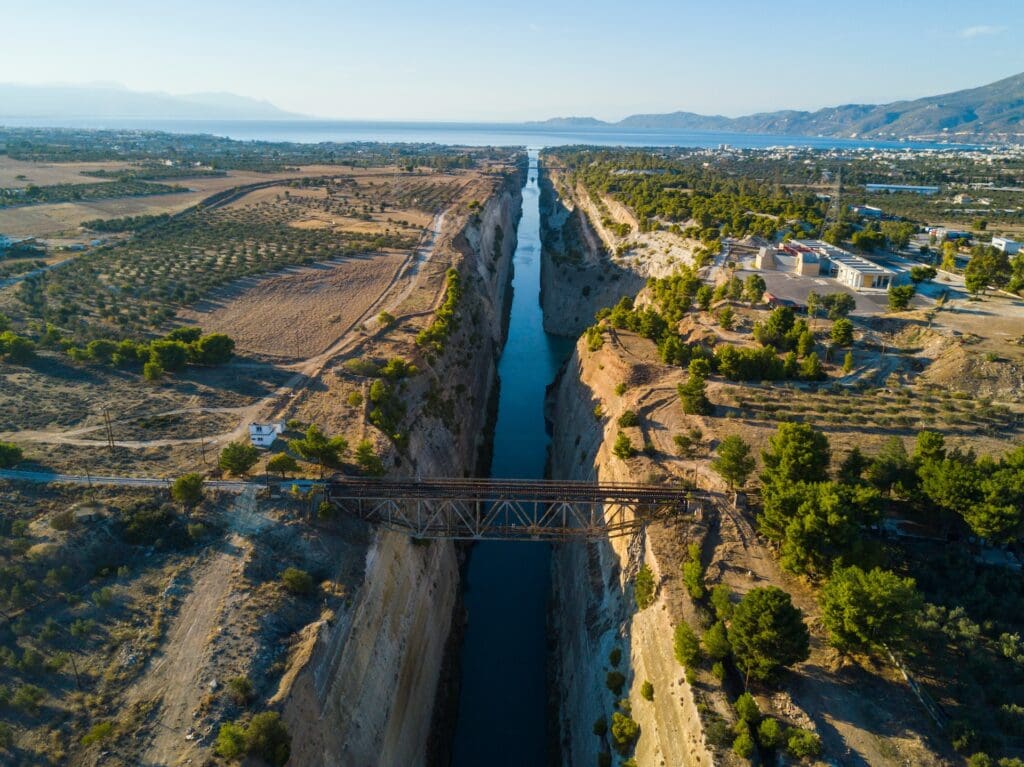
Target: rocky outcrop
column 577, row 275
column 585, row 265
column 365, row 693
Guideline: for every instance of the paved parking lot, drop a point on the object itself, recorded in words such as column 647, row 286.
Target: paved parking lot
column 793, row 287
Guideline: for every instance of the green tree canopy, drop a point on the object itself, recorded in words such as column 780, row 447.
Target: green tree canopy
column 317, row 448
column 238, row 457
column 282, row 463
column 796, row 453
column 767, row 633
column 817, row 522
column 899, row 297
column 733, row 461
column 866, row 610
column 842, row 332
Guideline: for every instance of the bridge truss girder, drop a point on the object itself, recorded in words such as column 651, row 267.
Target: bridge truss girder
column 434, row 513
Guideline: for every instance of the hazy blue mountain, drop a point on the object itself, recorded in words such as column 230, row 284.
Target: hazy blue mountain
column 114, row 101
column 991, row 112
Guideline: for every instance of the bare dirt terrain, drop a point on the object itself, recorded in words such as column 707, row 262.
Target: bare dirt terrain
column 300, row 312
column 56, row 219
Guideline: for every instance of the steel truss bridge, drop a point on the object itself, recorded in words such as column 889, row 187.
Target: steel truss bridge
column 508, row 509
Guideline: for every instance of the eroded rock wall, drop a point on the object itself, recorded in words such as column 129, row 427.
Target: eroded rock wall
column 593, row 607
column 366, row 689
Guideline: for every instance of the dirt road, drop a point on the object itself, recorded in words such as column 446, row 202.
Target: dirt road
column 175, row 677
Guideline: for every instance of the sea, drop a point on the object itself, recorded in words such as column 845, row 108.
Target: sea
column 467, row 134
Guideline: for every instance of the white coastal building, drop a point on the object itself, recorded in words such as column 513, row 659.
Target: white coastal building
column 1005, row 244
column 264, row 434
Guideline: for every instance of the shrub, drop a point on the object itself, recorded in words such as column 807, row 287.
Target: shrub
column 63, row 520
column 721, row 601
column 282, row 463
column 297, row 581
column 188, row 490
column 152, row 371
column 899, row 297
column 98, row 733
column 716, row 642
column 686, row 645
column 625, row 732
column 623, row 447
column 743, row 745
column 27, row 698
column 169, row 355
column 647, row 690
column 693, row 578
column 10, row 455
column 770, row 733
column 628, row 418
column 355, row 399
column 614, row 681
column 368, row 460
column 802, row 744
column 644, row 587
column 214, row 349
column 230, row 741
column 747, row 710
column 240, row 690
column 267, row 737
column 600, row 726
column 6, row 736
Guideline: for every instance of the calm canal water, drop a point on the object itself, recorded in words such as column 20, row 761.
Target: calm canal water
column 502, row 716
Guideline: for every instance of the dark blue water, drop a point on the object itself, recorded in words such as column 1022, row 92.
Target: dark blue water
column 463, row 134
column 502, row 716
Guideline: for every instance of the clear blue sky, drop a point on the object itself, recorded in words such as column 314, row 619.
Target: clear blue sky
column 456, row 60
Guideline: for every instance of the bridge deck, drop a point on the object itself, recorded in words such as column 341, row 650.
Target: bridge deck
column 507, row 508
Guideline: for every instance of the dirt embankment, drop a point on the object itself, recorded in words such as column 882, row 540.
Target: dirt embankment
column 364, row 689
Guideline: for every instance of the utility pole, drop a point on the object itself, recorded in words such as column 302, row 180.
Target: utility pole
column 110, row 431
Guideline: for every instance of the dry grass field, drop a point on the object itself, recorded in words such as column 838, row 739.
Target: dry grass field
column 20, row 173
column 299, row 312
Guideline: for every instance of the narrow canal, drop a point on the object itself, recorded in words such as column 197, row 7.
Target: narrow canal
column 502, row 717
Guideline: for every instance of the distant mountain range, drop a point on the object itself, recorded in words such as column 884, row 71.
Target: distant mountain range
column 992, row 112
column 58, row 102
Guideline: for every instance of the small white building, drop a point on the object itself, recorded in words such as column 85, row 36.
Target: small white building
column 264, row 434
column 1005, row 244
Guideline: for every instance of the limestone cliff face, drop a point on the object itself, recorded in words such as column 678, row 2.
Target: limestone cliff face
column 365, row 692
column 580, row 268
column 593, row 608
